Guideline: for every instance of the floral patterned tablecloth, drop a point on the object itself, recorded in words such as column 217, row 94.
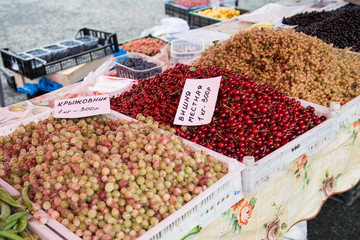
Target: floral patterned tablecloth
column 296, row 196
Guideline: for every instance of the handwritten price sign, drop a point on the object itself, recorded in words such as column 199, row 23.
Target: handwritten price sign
column 82, row 106
column 197, row 102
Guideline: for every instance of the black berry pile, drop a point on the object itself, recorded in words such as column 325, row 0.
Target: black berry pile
column 89, row 42
column 72, row 47
column 53, row 47
column 24, row 56
column 57, row 52
column 40, row 53
column 69, row 43
column 139, row 66
column 307, row 18
column 340, row 27
column 37, row 52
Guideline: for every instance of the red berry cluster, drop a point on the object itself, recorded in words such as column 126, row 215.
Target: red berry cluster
column 149, row 46
column 249, row 119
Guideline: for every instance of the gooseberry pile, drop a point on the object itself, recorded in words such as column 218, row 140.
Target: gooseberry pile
column 105, row 179
column 249, row 120
column 299, row 65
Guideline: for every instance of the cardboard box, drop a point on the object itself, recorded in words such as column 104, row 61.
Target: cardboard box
column 72, row 75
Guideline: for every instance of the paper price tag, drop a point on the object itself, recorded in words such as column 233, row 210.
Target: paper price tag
column 82, row 106
column 197, row 102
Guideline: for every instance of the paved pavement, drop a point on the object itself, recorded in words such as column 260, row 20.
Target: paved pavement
column 336, row 221
column 26, row 24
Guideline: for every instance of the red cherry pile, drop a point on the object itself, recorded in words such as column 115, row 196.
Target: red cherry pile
column 249, row 119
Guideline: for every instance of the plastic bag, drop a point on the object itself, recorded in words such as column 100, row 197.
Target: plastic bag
column 48, row 86
column 28, row 88
column 82, row 89
column 111, row 84
column 120, row 52
column 164, row 56
column 168, row 25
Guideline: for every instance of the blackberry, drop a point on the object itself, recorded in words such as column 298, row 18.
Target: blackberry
column 340, row 27
column 140, row 65
column 53, row 47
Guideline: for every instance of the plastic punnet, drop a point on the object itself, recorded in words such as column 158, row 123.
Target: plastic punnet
column 73, row 46
column 126, row 72
column 88, row 41
column 40, row 53
column 183, row 50
column 56, row 51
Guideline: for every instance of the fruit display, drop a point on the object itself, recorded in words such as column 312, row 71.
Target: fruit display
column 73, row 47
column 40, row 53
column 25, row 56
column 250, row 119
column 340, row 27
column 221, row 13
column 307, row 18
column 89, row 42
column 299, row 65
column 148, row 46
column 57, row 51
column 100, row 44
column 191, row 3
column 13, row 215
column 53, row 47
column 137, row 66
column 105, row 179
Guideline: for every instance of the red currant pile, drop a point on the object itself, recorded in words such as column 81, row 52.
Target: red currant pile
column 249, row 119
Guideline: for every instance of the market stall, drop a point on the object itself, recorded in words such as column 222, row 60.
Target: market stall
column 279, row 140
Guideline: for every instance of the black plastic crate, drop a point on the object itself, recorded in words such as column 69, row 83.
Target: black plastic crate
column 177, row 11
column 182, row 12
column 35, row 67
column 198, row 20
